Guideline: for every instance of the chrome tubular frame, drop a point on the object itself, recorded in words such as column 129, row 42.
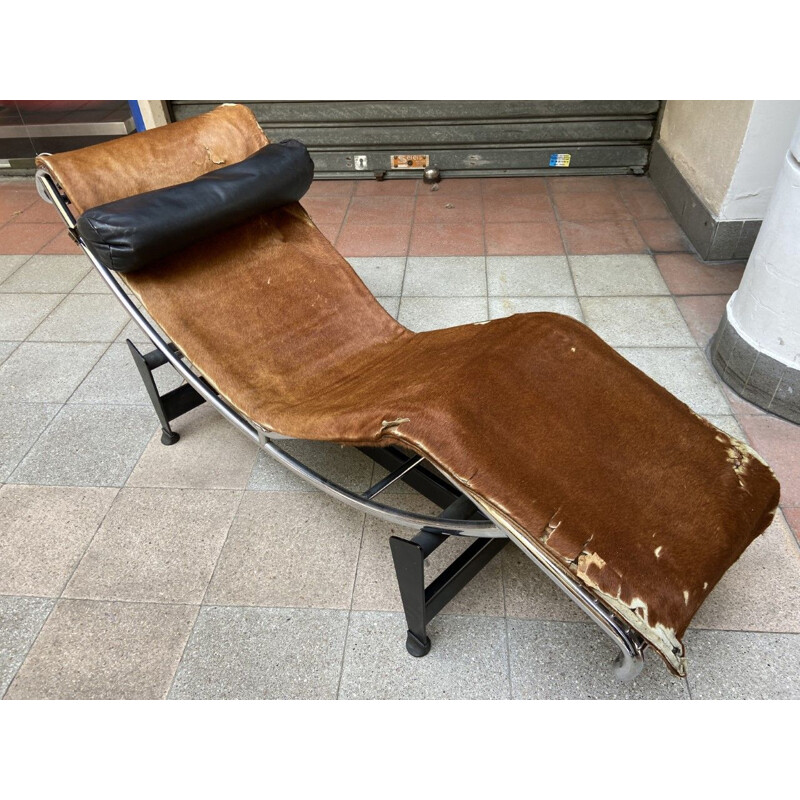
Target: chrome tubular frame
column 630, row 660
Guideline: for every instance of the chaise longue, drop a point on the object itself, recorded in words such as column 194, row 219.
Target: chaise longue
column 528, row 428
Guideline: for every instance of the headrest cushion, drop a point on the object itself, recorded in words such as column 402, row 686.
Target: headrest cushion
column 130, row 233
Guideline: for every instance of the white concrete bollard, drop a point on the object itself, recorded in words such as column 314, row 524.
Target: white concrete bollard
column 756, row 348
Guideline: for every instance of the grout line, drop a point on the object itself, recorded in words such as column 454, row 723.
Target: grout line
column 485, row 248
column 344, row 216
column 16, row 269
column 505, row 619
column 352, row 596
column 205, row 591
column 553, row 205
column 65, row 584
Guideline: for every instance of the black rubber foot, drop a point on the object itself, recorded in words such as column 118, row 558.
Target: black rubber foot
column 169, row 438
column 416, row 647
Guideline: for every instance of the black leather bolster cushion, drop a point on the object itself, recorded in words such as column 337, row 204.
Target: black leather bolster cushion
column 130, row 233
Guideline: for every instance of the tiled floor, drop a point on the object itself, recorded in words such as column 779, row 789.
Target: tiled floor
column 128, row 569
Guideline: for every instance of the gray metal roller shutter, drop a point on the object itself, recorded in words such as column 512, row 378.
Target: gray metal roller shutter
column 484, row 138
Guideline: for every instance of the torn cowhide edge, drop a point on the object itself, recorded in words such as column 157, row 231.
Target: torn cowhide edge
column 591, row 569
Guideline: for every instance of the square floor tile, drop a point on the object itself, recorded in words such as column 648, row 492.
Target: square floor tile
column 44, row 531
column 114, row 380
column 523, row 238
column 645, row 204
column 739, row 405
column 505, row 187
column 662, row 235
column 727, row 423
column 345, row 466
column 156, row 545
column 20, row 237
column 330, row 230
column 524, row 276
column 326, row 209
column 262, row 653
column 434, row 208
column 683, row 371
column 56, row 274
column 453, row 187
column 93, row 283
column 133, row 332
column 38, row 372
column 62, row 244
column 743, row 666
column 573, row 660
column 609, row 236
column 373, row 240
column 211, row 454
column 687, row 274
column 633, row 183
column 21, row 619
column 39, row 211
column 21, row 424
column 111, row 651
column 335, row 188
column 793, row 518
column 703, row 315
column 13, row 203
column 637, row 321
column 9, row 265
column 617, row 275
column 289, row 549
column 380, row 211
column 581, row 183
column 506, row 306
column 761, row 591
column 21, row 313
column 376, row 582
column 468, row 659
column 6, row 349
column 445, row 277
column 382, row 276
column 530, row 594
column 390, row 304
column 518, row 208
column 441, row 239
column 430, row 313
column 387, row 188
column 83, row 318
column 88, row 446
column 778, row 442
column 576, row 206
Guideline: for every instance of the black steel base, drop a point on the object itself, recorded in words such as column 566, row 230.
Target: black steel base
column 422, row 603
column 167, row 406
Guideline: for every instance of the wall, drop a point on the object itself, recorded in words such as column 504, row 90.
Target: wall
column 768, row 136
column 703, row 138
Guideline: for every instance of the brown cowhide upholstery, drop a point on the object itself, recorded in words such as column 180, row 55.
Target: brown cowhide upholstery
column 564, row 443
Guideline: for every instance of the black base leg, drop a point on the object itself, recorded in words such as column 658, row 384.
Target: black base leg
column 168, row 436
column 409, row 564
column 422, row 603
column 170, row 405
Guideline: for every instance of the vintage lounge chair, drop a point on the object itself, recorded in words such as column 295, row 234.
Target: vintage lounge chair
column 528, row 428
